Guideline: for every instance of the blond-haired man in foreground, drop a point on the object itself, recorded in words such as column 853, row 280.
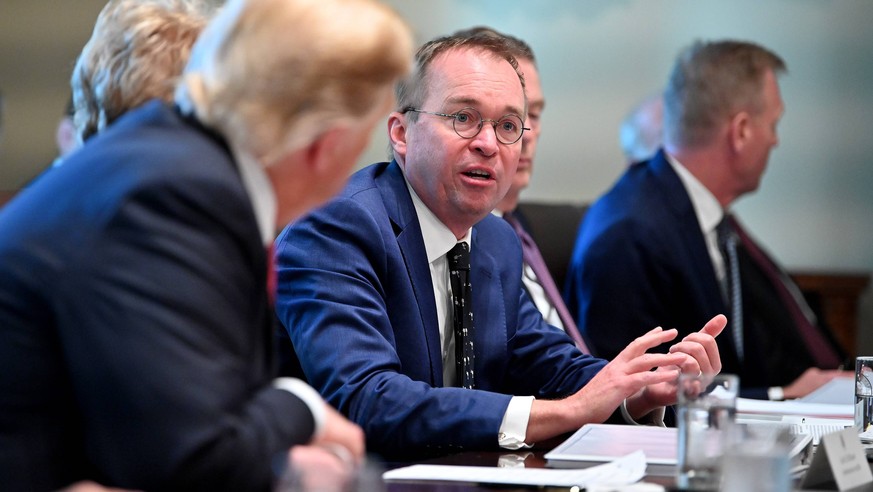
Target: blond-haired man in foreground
column 135, row 320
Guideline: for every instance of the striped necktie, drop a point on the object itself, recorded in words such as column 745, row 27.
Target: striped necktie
column 727, row 243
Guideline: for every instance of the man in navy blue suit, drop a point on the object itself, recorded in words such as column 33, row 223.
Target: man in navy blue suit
column 364, row 284
column 648, row 251
column 136, row 328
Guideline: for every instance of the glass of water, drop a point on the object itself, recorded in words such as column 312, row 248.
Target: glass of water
column 758, row 459
column 864, row 397
column 706, row 414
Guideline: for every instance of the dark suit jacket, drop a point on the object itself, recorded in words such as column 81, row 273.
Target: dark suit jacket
column 355, row 293
column 135, row 331
column 641, row 261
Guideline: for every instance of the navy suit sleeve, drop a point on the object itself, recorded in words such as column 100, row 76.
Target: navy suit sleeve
column 165, row 336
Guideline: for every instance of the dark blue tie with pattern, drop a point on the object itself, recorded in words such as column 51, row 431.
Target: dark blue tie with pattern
column 462, row 298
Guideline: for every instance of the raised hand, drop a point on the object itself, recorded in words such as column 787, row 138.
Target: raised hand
column 623, row 377
column 700, row 356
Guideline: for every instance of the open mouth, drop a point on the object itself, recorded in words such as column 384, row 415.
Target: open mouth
column 477, row 174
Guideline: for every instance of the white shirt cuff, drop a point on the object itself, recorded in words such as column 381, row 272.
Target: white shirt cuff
column 775, row 393
column 513, row 428
column 309, row 396
column 656, row 417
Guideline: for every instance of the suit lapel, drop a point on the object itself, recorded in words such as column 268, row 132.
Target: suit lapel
column 694, row 244
column 679, row 204
column 401, row 212
column 488, row 309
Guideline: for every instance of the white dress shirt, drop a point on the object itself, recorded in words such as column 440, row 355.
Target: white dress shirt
column 438, row 240
column 709, row 215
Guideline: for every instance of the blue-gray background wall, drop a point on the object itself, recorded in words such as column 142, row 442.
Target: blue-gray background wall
column 597, row 58
column 814, row 209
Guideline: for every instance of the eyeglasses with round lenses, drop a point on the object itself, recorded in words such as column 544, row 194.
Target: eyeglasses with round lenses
column 468, row 123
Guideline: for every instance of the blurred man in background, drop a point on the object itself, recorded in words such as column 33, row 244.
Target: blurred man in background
column 662, row 247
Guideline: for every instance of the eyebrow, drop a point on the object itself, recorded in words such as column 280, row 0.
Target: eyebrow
column 473, row 102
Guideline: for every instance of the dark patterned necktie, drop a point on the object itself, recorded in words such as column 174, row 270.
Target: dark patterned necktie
column 462, row 308
column 727, row 243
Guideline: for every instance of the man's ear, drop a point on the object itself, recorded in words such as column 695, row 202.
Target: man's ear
column 740, row 131
column 308, row 176
column 397, row 133
column 322, row 152
column 66, row 137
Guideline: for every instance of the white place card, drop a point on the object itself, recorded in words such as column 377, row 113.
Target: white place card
column 839, row 459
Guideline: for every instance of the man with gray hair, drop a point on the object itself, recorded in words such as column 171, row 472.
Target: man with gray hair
column 662, row 247
column 136, row 323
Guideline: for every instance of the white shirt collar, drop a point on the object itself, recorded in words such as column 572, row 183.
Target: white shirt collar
column 438, row 239
column 260, row 192
column 708, row 210
column 254, row 179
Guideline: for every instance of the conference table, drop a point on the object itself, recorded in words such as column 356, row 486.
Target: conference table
column 530, row 458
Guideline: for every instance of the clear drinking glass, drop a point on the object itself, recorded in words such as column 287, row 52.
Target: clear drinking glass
column 706, row 414
column 758, row 459
column 864, row 397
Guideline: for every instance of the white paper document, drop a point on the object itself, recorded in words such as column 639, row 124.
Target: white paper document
column 795, row 407
column 838, row 390
column 625, row 470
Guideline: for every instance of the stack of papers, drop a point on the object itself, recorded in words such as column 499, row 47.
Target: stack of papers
column 598, row 443
column 812, row 426
column 809, row 417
